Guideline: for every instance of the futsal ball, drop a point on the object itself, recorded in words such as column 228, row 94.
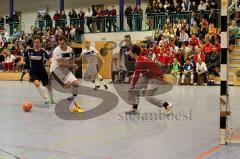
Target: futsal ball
column 27, row 106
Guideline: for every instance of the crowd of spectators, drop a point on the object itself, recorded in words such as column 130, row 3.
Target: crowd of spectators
column 186, row 48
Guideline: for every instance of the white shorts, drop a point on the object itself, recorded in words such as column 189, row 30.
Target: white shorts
column 63, row 76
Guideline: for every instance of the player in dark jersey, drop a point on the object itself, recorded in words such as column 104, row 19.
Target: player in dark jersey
column 25, row 63
column 36, row 57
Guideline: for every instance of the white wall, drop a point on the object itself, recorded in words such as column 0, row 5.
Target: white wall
column 29, row 7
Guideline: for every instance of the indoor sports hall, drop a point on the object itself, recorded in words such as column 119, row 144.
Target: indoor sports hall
column 119, row 79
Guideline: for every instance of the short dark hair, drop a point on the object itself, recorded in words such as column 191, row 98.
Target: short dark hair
column 136, row 49
column 127, row 36
column 60, row 38
column 37, row 37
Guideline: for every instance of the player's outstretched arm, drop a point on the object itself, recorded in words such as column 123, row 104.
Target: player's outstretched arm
column 100, row 56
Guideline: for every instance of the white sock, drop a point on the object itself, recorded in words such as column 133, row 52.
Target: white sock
column 68, row 93
column 183, row 78
column 42, row 93
column 192, row 76
column 96, row 83
column 50, row 93
column 99, row 77
column 178, row 78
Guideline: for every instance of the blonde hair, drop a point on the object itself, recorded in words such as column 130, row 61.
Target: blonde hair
column 86, row 42
column 6, row 52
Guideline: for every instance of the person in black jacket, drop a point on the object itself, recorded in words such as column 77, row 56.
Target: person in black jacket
column 138, row 17
column 129, row 16
column 124, row 56
column 62, row 20
column 150, row 16
column 81, row 17
column 212, row 17
column 48, row 20
column 1, row 23
column 2, row 59
column 15, row 20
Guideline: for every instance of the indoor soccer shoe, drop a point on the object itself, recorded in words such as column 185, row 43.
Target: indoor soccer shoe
column 70, row 98
column 132, row 111
column 75, row 108
column 96, row 87
column 105, row 86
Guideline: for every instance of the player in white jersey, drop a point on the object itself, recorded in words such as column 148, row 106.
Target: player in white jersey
column 60, row 69
column 92, row 56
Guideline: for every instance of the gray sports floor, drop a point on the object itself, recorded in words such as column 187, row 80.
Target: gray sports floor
column 42, row 134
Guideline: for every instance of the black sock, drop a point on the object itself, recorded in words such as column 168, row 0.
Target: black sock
column 23, row 74
column 165, row 105
column 135, row 106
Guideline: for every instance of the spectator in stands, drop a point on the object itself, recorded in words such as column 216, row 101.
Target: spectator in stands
column 183, row 36
column 107, row 19
column 186, row 4
column 48, row 20
column 81, row 17
column 157, row 35
column 2, row 59
column 233, row 30
column 212, row 18
column 73, row 17
column 16, row 20
column 129, row 16
column 201, row 6
column 201, row 70
column 194, row 7
column 125, row 59
column 113, row 20
column 40, row 21
column 118, row 70
column 72, row 32
column 138, row 17
column 187, row 71
column 204, row 28
column 56, row 18
column 9, row 60
column 207, row 48
column 194, row 41
column 115, row 70
column 207, row 5
column 62, row 20
column 212, row 30
column 99, row 20
column 4, row 38
column 175, row 71
column 193, row 19
column 16, row 34
column 214, row 62
column 150, row 16
column 89, row 16
column 197, row 55
column 1, row 22
column 176, row 7
column 195, row 29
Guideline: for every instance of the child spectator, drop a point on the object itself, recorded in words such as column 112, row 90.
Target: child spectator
column 8, row 65
column 175, row 71
column 201, row 70
column 187, row 71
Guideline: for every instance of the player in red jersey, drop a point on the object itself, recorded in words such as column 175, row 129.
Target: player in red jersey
column 146, row 72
